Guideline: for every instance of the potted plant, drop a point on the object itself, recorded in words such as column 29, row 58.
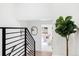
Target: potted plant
column 65, row 27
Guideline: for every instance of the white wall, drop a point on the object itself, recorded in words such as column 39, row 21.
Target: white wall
column 76, row 43
column 51, row 11
column 7, row 15
column 31, row 11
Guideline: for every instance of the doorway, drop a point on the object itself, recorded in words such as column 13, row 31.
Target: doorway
column 46, row 36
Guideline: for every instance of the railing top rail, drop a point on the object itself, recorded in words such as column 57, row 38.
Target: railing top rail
column 14, row 27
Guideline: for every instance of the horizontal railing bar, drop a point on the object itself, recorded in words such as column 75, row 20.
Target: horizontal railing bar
column 13, row 27
column 14, row 41
column 29, row 45
column 30, row 34
column 18, row 48
column 29, row 40
column 12, row 52
column 14, row 45
column 28, row 48
column 15, row 36
column 31, row 51
column 29, row 54
column 14, row 32
column 18, row 51
column 29, row 37
column 21, row 53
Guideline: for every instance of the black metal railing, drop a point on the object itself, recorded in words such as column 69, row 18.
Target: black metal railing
column 17, row 41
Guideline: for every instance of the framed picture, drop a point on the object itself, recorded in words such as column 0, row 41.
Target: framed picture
column 46, row 32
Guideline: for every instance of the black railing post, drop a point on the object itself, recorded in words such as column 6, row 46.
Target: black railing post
column 34, row 49
column 3, row 41
column 25, row 41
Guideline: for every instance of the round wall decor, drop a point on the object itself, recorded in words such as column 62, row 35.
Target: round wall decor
column 34, row 30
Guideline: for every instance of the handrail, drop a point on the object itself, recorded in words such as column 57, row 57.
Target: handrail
column 27, row 43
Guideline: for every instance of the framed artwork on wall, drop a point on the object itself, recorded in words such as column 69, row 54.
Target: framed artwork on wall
column 46, row 32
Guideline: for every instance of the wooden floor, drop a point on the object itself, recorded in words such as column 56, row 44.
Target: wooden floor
column 43, row 53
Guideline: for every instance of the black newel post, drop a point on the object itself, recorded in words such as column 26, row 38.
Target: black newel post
column 34, row 49
column 3, row 41
column 25, row 41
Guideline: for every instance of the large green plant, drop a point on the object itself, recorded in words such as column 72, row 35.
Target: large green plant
column 65, row 27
